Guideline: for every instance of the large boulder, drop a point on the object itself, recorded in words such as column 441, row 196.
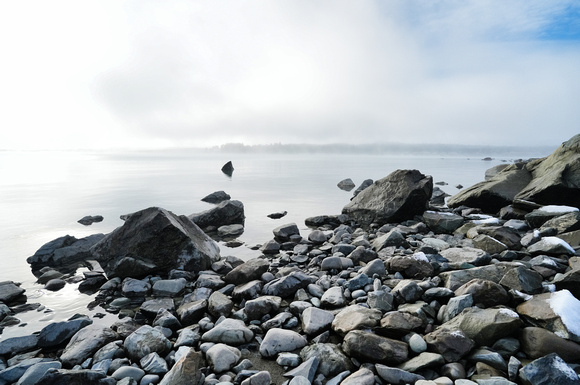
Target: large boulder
column 398, row 197
column 554, row 180
column 225, row 213
column 155, row 240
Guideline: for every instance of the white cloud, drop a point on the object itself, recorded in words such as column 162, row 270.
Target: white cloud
column 136, row 73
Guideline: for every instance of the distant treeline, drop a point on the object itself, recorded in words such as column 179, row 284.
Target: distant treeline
column 382, row 149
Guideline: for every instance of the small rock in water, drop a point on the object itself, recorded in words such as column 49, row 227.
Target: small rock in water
column 346, row 184
column 90, row 219
column 277, row 215
column 216, row 197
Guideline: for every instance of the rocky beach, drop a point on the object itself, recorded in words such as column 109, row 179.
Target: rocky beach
column 402, row 287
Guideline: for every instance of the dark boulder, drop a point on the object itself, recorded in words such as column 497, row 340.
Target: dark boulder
column 225, row 213
column 228, row 168
column 64, row 252
column 395, row 198
column 155, row 240
column 90, row 219
column 10, row 291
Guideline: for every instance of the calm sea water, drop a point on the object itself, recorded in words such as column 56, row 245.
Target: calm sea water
column 43, row 194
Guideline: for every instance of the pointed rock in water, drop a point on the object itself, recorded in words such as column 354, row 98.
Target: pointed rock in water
column 277, row 215
column 398, row 197
column 137, row 249
column 228, row 168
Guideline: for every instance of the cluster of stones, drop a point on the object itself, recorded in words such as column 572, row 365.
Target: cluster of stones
column 455, row 297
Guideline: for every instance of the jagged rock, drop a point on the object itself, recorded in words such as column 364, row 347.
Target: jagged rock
column 550, row 369
column 186, row 371
column 155, row 240
column 225, row 213
column 191, row 312
column 452, row 344
column 558, row 312
column 523, row 279
column 423, row 361
column 489, row 244
column 454, row 279
column 401, row 322
column 397, row 197
column 216, row 197
column 392, row 238
column 485, row 326
column 442, row 222
column 364, row 185
column 416, row 266
column 315, row 320
column 303, row 374
column 371, row 347
column 563, row 223
column 64, row 252
column 219, row 305
column 37, row 371
column 169, row 287
column 332, row 359
column 257, row 308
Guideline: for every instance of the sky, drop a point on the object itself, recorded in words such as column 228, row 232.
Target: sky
column 146, row 74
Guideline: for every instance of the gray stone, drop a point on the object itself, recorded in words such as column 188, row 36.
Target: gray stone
column 306, row 370
column 392, row 238
column 456, row 278
column 151, row 307
column 550, row 369
column 16, row 345
column 315, row 320
column 288, row 285
column 397, row 376
column 230, row 231
column 229, row 331
column 248, row 271
column 538, row 342
column 59, row 333
column 280, row 340
column 34, row 373
column 260, row 378
column 169, row 287
column 489, row 244
column 380, row 300
column 362, row 376
column 551, row 246
column 223, row 357
column 191, row 312
column 397, row 197
column 407, row 291
column 371, row 347
column 73, row 377
column 458, row 255
column 146, row 340
column 563, row 223
column 85, row 343
column 135, row 288
column 55, row 284
column 346, row 184
column 63, row 252
column 216, row 197
column 248, row 290
column 219, row 305
column 186, row 371
column 259, row 307
column 355, row 317
column 416, row 266
column 524, row 280
column 317, row 237
column 484, row 292
column 166, row 319
column 154, row 364
column 456, row 305
column 128, row 371
column 109, row 351
column 9, row 291
column 417, row 343
column 442, row 222
column 284, row 232
column 333, row 297
column 423, row 361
